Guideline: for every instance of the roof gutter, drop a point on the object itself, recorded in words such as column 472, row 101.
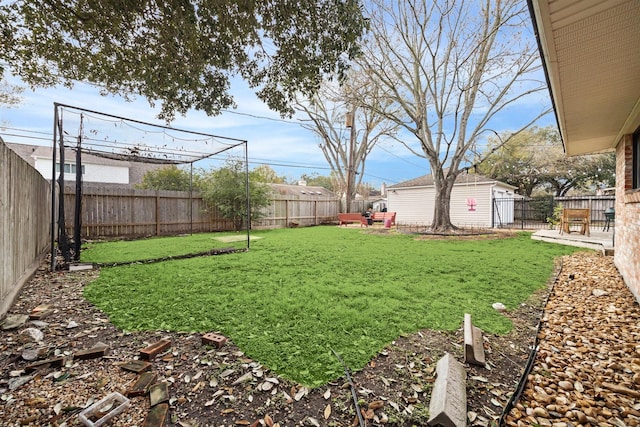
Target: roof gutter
column 532, row 13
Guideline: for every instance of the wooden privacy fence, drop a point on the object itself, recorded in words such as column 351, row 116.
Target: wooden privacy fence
column 289, row 211
column 121, row 212
column 25, row 218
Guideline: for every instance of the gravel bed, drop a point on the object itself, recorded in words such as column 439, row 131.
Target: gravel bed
column 587, row 369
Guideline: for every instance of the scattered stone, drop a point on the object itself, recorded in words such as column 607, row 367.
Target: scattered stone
column 473, row 343
column 158, row 393
column 15, row 383
column 39, row 323
column 498, row 306
column 31, row 354
column 156, row 416
column 137, row 366
column 448, row 405
column 72, row 324
column 35, row 334
column 566, row 385
column 244, row 378
column 98, row 350
column 150, row 352
column 13, row 321
column 142, row 384
column 583, row 374
column 216, row 340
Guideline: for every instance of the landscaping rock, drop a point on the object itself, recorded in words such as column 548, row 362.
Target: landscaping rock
column 584, row 369
column 13, row 321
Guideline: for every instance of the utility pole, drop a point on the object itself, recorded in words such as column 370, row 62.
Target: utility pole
column 351, row 123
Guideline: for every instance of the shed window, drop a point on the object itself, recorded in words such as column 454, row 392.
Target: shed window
column 68, row 168
column 636, row 159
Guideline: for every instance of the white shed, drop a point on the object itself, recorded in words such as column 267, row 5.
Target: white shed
column 476, row 201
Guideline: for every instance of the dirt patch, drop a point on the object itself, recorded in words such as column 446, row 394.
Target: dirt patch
column 222, row 387
column 467, row 235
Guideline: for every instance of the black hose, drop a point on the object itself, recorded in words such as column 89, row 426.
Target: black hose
column 532, row 357
column 353, row 389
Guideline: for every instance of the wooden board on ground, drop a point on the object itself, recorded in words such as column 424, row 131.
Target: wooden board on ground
column 473, row 343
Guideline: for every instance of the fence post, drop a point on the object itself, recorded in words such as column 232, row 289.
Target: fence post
column 315, row 212
column 157, row 213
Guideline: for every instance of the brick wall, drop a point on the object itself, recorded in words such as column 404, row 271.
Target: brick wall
column 627, row 229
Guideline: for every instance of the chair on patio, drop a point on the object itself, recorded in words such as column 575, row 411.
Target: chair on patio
column 579, row 217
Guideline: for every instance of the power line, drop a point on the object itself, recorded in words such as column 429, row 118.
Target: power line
column 398, row 157
column 255, row 116
column 253, row 161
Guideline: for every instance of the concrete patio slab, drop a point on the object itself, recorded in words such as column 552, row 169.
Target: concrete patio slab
column 598, row 240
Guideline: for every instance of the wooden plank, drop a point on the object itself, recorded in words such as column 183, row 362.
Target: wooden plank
column 473, row 343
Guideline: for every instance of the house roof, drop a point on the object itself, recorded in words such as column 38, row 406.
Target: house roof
column 463, row 178
column 302, row 190
column 30, row 152
column 591, row 53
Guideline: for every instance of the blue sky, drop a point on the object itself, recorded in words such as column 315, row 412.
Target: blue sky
column 286, row 146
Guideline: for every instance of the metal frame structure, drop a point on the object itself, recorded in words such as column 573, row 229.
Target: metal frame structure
column 108, row 149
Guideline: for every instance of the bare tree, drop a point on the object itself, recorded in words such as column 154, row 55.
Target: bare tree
column 350, row 120
column 451, row 67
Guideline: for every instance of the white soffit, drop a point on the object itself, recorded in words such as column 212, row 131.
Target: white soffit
column 592, row 55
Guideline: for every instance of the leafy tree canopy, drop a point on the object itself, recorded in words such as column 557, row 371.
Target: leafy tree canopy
column 266, row 174
column 167, row 178
column 225, row 188
column 534, row 161
column 331, row 182
column 182, row 53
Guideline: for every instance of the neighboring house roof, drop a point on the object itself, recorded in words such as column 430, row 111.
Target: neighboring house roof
column 302, row 190
column 591, row 55
column 30, row 152
column 463, row 178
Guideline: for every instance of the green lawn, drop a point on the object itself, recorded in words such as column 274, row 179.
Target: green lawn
column 120, row 251
column 299, row 293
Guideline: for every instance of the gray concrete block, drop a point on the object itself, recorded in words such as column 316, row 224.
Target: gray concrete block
column 448, row 405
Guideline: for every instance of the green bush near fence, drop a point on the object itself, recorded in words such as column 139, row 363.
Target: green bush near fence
column 299, row 294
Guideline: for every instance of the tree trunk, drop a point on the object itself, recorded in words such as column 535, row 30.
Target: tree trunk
column 442, row 209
